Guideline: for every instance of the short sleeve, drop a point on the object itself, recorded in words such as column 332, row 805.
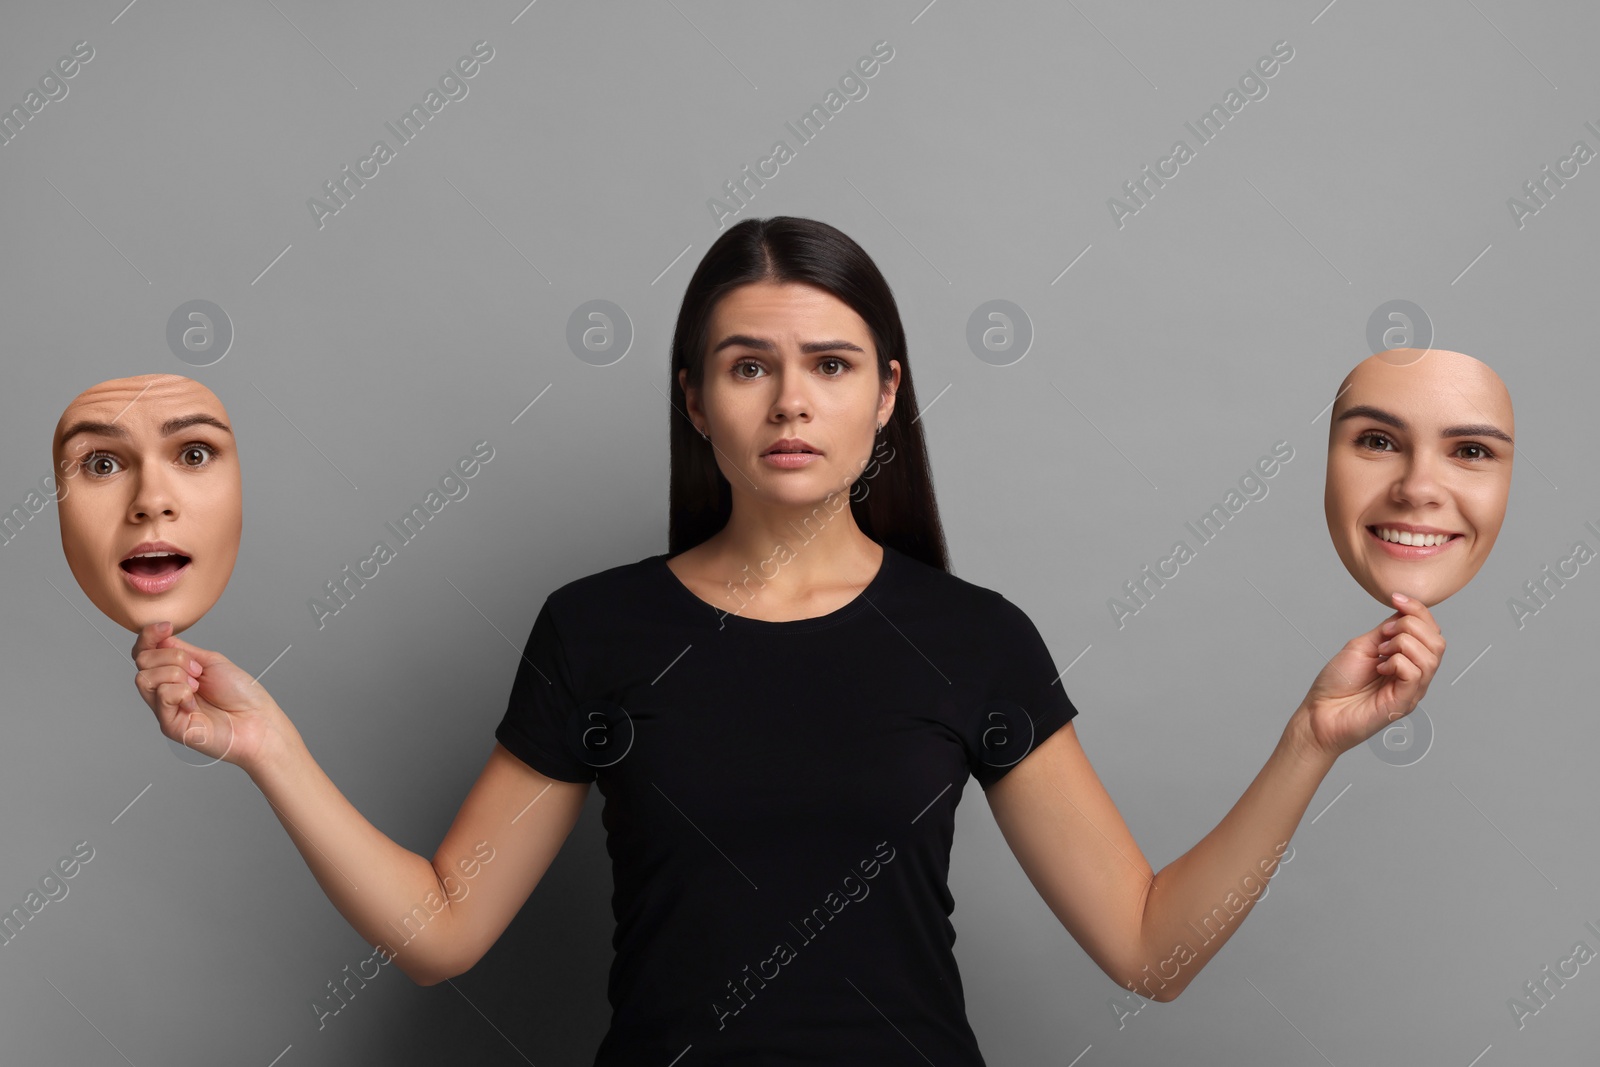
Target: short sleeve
column 1025, row 701
column 543, row 707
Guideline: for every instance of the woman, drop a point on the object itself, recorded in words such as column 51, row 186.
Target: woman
column 781, row 713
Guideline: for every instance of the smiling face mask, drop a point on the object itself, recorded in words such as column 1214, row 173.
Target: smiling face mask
column 1419, row 471
column 151, row 502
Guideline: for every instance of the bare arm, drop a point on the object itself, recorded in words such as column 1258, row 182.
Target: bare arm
column 525, row 817
column 1136, row 925
column 436, row 918
column 1152, row 933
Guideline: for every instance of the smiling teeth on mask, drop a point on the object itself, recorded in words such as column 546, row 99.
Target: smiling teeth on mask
column 1405, row 537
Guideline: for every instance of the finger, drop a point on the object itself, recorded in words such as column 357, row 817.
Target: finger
column 1415, row 627
column 186, row 725
column 204, row 655
column 172, row 698
column 1417, row 609
column 152, row 681
column 168, row 657
column 1412, row 643
column 1370, row 640
column 1410, row 648
column 1406, row 674
column 150, row 634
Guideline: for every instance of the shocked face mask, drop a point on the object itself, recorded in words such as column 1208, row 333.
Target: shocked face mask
column 151, row 502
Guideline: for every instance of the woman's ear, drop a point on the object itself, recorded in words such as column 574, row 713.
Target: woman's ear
column 691, row 400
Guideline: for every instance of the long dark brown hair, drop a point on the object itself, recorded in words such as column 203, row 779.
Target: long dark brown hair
column 892, row 501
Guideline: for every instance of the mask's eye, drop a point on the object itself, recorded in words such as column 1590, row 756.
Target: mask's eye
column 204, row 451
column 1374, row 441
column 95, row 464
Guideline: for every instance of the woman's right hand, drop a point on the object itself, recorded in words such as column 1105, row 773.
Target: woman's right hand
column 203, row 701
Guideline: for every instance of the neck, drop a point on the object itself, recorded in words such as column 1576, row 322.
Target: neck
column 795, row 549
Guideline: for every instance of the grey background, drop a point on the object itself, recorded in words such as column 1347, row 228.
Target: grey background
column 1177, row 350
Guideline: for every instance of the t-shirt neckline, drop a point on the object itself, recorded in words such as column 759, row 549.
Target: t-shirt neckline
column 817, row 622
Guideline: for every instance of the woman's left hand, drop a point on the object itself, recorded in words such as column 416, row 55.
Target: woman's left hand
column 1376, row 679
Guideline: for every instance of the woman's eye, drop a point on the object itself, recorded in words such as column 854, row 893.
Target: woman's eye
column 843, row 365
column 1373, row 436
column 205, row 452
column 1483, row 453
column 95, row 462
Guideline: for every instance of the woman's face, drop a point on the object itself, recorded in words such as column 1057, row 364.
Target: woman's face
column 1419, row 450
column 789, row 361
column 150, row 468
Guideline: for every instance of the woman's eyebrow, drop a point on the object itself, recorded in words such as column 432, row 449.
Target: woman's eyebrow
column 1477, row 429
column 767, row 346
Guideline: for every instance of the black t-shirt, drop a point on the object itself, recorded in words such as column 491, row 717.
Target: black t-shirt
column 779, row 802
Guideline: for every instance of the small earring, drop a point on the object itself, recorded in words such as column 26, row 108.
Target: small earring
column 705, row 435
column 879, row 429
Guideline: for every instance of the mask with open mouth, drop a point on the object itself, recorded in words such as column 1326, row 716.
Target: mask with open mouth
column 150, row 498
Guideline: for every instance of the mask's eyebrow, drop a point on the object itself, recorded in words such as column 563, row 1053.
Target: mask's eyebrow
column 1477, row 429
column 1367, row 411
column 176, row 424
column 183, row 422
column 767, row 346
column 104, row 429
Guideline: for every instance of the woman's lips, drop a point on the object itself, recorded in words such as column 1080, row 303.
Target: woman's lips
column 1399, row 551
column 790, row 460
column 154, row 574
